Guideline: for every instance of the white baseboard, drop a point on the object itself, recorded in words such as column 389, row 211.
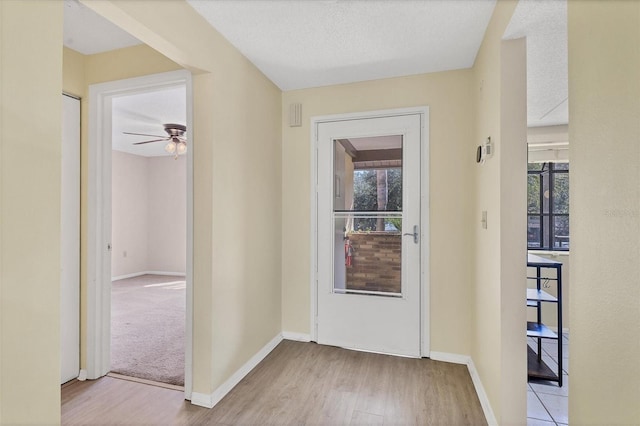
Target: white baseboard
column 475, row 378
column 122, row 277
column 138, row 274
column 202, row 399
column 299, row 337
column 448, row 357
column 177, row 274
column 210, row 400
column 482, row 394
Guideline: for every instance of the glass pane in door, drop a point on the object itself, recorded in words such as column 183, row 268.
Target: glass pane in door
column 367, row 216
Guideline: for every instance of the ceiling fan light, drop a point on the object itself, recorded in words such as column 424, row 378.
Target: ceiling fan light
column 181, row 148
column 170, row 147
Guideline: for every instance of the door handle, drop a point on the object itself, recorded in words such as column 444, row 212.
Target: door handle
column 415, row 235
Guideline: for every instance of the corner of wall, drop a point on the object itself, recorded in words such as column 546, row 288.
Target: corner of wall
column 488, row 334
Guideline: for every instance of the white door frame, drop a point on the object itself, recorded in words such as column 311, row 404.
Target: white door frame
column 70, row 239
column 98, row 242
column 424, row 213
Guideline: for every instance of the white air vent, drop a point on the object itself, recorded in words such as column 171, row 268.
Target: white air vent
column 295, row 115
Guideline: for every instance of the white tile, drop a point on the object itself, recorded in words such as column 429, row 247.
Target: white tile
column 536, row 422
column 557, row 406
column 552, row 349
column 552, row 388
column 535, row 409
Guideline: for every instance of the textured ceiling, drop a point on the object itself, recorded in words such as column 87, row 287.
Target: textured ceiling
column 314, row 43
column 544, row 24
column 301, row 44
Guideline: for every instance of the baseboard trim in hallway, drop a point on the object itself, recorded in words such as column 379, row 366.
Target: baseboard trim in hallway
column 210, row 400
column 297, row 383
column 475, row 378
column 298, row 337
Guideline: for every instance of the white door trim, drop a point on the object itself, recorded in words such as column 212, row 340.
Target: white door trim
column 70, row 240
column 424, row 213
column 98, row 254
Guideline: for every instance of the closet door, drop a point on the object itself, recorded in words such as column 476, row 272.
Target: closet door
column 70, row 241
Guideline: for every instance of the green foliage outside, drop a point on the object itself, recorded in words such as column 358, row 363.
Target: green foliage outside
column 365, row 197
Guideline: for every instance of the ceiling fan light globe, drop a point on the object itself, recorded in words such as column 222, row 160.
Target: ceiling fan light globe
column 170, row 147
column 181, row 148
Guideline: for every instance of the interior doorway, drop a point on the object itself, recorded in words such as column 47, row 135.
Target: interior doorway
column 102, row 98
column 372, row 237
column 148, row 228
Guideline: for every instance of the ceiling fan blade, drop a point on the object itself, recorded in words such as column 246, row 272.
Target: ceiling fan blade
column 155, row 140
column 143, row 134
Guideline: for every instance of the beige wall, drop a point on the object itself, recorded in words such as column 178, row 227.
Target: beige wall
column 604, row 130
column 148, row 214
column 30, row 146
column 129, row 213
column 451, row 161
column 167, row 219
column 499, row 255
column 237, row 184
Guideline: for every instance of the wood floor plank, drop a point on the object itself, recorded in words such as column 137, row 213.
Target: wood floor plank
column 296, row 384
column 359, row 419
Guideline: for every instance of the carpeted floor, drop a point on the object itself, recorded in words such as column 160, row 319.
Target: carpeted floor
column 147, row 328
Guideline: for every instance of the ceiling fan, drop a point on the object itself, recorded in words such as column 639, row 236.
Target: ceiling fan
column 176, row 141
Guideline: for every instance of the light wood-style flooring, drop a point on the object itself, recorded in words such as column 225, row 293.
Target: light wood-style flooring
column 296, row 384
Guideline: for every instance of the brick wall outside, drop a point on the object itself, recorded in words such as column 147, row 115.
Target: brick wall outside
column 376, row 261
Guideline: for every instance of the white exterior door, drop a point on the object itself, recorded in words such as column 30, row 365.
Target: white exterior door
column 70, row 241
column 368, row 234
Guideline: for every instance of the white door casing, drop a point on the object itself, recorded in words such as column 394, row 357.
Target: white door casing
column 395, row 325
column 99, row 217
column 70, row 241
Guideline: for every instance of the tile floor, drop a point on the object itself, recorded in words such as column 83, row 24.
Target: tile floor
column 547, row 404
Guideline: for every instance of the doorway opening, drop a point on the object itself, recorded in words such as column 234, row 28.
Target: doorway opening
column 148, row 229
column 105, row 99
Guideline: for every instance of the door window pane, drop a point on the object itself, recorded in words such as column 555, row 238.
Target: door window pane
column 367, row 209
column 371, row 260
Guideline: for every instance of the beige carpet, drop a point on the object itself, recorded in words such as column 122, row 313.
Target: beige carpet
column 147, row 328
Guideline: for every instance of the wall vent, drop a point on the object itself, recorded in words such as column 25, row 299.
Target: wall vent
column 295, row 115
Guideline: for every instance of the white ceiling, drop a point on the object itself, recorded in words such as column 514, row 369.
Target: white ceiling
column 147, row 113
column 377, row 142
column 544, row 23
column 88, row 33
column 300, row 44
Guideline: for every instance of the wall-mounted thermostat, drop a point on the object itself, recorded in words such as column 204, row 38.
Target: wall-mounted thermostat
column 484, row 151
